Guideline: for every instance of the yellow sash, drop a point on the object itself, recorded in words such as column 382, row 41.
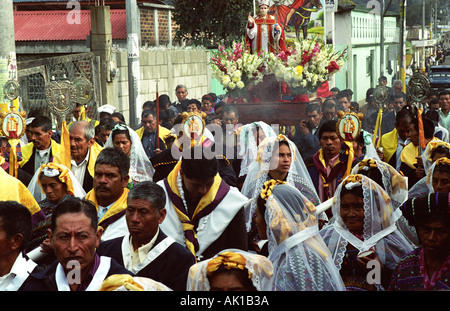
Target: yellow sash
column 27, row 151
column 163, row 133
column 117, row 206
column 204, row 202
column 389, row 143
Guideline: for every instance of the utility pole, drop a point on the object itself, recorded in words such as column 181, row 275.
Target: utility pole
column 135, row 105
column 402, row 57
column 382, row 65
column 8, row 63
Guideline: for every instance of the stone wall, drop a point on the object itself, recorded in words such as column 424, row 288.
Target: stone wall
column 171, row 66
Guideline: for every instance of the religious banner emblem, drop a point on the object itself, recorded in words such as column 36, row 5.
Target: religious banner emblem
column 348, row 126
column 11, row 90
column 12, row 124
column 381, row 94
column 61, row 97
column 419, row 87
column 84, row 90
column 193, row 124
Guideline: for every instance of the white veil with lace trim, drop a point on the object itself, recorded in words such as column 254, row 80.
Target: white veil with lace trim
column 379, row 231
column 248, row 145
column 141, row 169
column 258, row 173
column 259, row 268
column 301, row 259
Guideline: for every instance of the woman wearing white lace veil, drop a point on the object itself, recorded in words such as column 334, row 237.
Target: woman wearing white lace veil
column 267, row 163
column 250, row 137
column 434, row 151
column 364, row 229
column 395, row 184
column 124, row 138
column 300, row 258
column 249, row 271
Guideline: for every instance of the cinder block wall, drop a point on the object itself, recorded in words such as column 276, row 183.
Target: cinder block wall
column 171, row 66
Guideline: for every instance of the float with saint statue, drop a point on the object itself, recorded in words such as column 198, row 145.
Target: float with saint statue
column 275, row 87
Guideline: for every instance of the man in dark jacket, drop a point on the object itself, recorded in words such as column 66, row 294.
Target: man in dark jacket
column 147, row 251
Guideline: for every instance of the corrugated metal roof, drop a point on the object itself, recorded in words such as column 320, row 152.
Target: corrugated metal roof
column 62, row 25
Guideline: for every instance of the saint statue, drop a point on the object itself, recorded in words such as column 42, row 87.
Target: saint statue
column 263, row 32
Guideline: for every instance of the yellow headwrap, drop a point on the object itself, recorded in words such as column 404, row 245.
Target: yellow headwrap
column 440, row 161
column 117, row 280
column 268, row 187
column 228, row 260
column 64, row 176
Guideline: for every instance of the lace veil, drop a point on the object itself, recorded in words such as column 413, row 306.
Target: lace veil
column 259, row 267
column 301, row 260
column 298, row 176
column 379, row 231
column 141, row 169
column 248, row 145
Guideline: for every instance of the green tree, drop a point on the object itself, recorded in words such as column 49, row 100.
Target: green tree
column 211, row 22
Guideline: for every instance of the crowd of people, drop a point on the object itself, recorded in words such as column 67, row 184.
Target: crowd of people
column 273, row 209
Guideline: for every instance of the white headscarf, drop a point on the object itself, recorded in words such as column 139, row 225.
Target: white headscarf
column 259, row 267
column 36, row 190
column 300, row 258
column 141, row 169
column 298, row 176
column 248, row 145
column 379, row 230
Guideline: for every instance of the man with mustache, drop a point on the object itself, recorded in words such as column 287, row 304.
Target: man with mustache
column 147, row 251
column 110, row 192
column 75, row 236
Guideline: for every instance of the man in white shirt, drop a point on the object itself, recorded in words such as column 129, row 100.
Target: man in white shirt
column 15, row 232
column 147, row 251
column 84, row 151
column 41, row 148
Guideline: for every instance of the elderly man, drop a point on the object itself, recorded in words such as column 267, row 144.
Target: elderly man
column 181, row 93
column 147, row 133
column 41, row 148
column 84, row 151
column 147, row 251
column 110, row 192
column 15, row 232
column 75, row 236
column 204, row 213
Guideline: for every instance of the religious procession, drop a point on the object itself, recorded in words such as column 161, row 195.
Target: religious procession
column 296, row 172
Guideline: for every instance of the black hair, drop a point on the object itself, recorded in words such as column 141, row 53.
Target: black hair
column 104, row 124
column 441, row 150
column 148, row 112
column 198, row 166
column 433, row 115
column 342, row 94
column 114, row 157
column 405, row 114
column 357, row 191
column 148, row 105
column 329, row 126
column 231, row 108
column 313, row 107
column 196, row 102
column 428, row 126
column 164, row 101
column 75, row 205
column 120, row 131
column 418, row 211
column 149, row 191
column 443, row 92
column 43, row 122
column 119, row 116
column 442, row 168
column 16, row 218
column 241, row 275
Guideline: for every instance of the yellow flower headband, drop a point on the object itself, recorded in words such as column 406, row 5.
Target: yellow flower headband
column 268, row 188
column 434, row 144
column 228, row 260
column 366, row 163
column 63, row 175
